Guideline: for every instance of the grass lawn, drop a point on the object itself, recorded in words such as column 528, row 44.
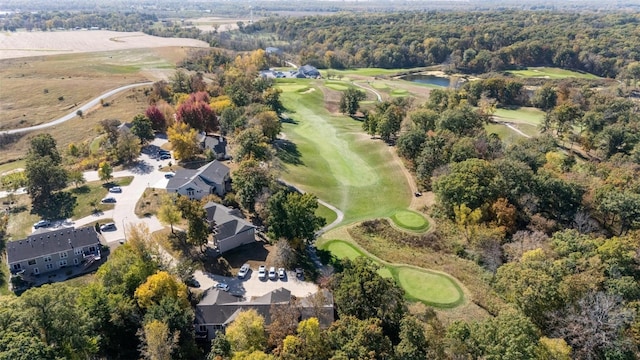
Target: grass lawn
column 149, row 202
column 94, row 190
column 379, row 85
column 340, row 164
column 12, row 166
column 410, row 220
column 551, row 73
column 339, row 86
column 526, row 115
column 399, row 92
column 431, row 288
column 326, row 213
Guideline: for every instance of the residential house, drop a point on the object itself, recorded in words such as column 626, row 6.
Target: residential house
column 217, row 144
column 218, row 309
column 212, row 178
column 229, row 228
column 46, row 251
column 270, row 50
column 309, row 71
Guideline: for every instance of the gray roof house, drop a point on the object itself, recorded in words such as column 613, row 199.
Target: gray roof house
column 218, row 309
column 229, row 228
column 309, row 71
column 217, row 144
column 46, row 251
column 212, row 178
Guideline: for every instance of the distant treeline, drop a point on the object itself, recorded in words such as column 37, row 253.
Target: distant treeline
column 474, row 42
column 64, row 20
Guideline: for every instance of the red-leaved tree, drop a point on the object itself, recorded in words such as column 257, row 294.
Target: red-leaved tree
column 197, row 113
column 158, row 121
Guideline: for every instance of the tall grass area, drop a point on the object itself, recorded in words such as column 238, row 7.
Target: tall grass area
column 339, row 163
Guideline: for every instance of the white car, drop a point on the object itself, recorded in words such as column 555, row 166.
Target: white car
column 272, row 273
column 262, row 272
column 108, row 227
column 244, row 270
column 281, row 273
column 42, row 224
column 222, row 286
column 115, row 189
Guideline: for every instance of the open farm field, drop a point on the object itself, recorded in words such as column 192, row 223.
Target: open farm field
column 123, row 106
column 551, row 73
column 39, row 89
column 35, row 43
column 340, row 164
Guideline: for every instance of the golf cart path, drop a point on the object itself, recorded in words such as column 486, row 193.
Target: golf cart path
column 71, row 115
column 369, row 89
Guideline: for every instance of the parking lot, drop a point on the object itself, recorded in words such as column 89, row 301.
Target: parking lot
column 251, row 286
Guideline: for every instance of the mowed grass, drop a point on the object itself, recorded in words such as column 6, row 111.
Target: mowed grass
column 12, row 165
column 335, row 85
column 326, row 213
column 341, row 165
column 431, row 288
column 551, row 73
column 410, row 220
column 527, row 115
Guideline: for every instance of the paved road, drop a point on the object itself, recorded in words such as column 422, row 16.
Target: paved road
column 72, row 114
column 145, row 175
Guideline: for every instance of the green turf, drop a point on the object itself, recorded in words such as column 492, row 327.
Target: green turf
column 340, row 164
column 12, row 165
column 379, row 85
column 399, row 92
column 339, row 86
column 410, row 220
column 525, row 115
column 551, row 73
column 326, row 213
column 431, row 288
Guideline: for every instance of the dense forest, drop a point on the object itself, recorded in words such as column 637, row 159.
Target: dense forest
column 475, row 42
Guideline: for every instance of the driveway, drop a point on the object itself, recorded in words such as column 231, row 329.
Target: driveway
column 145, row 175
column 251, row 286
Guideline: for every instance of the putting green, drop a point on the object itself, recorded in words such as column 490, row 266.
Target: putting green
column 410, row 220
column 551, row 73
column 338, row 163
column 431, row 288
column 336, row 86
column 399, row 92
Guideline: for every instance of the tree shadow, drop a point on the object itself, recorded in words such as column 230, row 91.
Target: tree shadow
column 84, row 189
column 287, row 120
column 288, row 152
column 59, row 206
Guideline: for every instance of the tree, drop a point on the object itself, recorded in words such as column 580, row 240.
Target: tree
column 354, row 338
column 249, row 181
column 77, row 178
column 269, row 122
column 180, row 82
column 410, row 144
column 309, row 343
column 157, row 118
column 142, row 127
column 251, row 143
column 271, row 98
column 553, row 349
column 424, row 119
column 183, row 140
column 220, row 347
column 157, row 342
column 128, row 148
column 44, row 173
column 361, row 292
column 105, row 171
column 197, row 113
column 284, row 321
column 350, row 100
column 292, row 216
column 413, row 343
column 198, row 232
column 169, row 212
column 128, row 268
column 545, row 98
column 158, row 286
column 284, row 255
column 247, row 332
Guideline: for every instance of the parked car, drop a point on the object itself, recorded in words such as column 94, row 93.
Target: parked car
column 42, row 224
column 108, row 227
column 272, row 273
column 115, row 189
column 169, row 175
column 281, row 273
column 262, row 272
column 165, row 156
column 108, row 200
column 299, row 273
column 244, row 270
column 191, row 282
column 222, row 286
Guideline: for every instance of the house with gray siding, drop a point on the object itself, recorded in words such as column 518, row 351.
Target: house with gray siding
column 218, row 309
column 229, row 228
column 212, row 178
column 46, row 251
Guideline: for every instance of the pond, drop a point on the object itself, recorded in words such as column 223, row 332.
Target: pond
column 428, row 79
